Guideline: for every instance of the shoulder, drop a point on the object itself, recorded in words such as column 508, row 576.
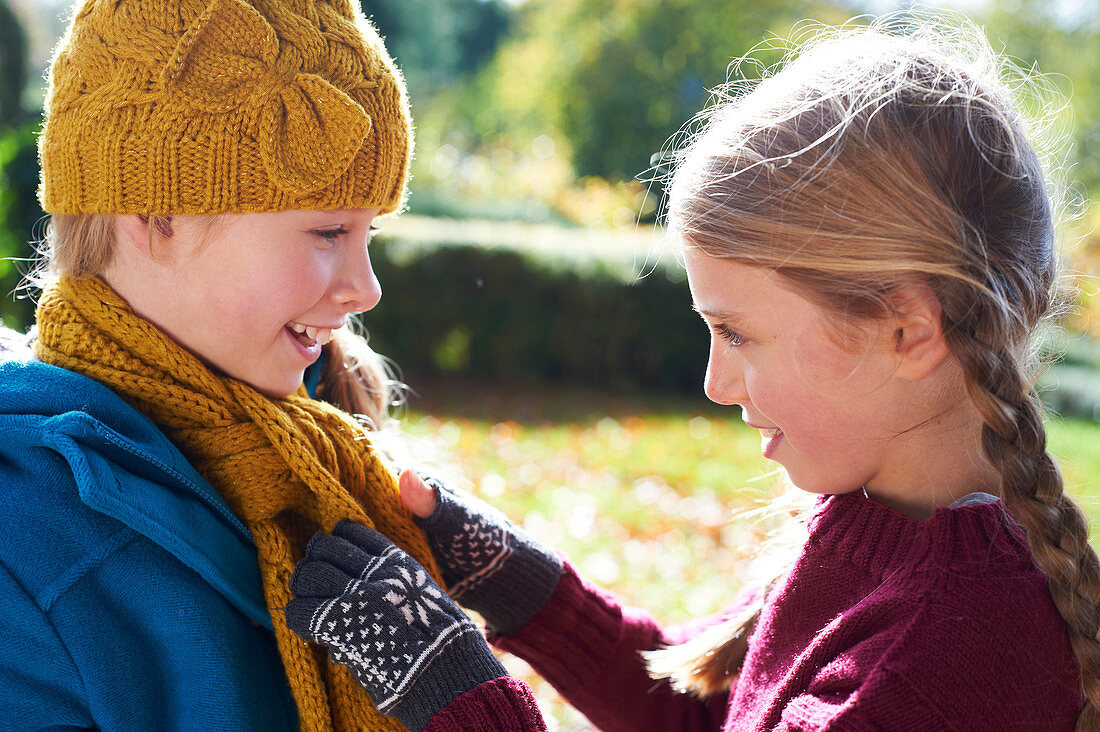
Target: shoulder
column 967, row 661
column 949, row 618
column 52, row 538
column 131, row 639
column 48, row 528
column 994, row 643
column 989, row 621
column 984, row 646
column 47, row 406
column 15, row 345
column 81, row 472
column 106, row 532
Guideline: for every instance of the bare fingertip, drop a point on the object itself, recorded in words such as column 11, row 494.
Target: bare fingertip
column 417, row 495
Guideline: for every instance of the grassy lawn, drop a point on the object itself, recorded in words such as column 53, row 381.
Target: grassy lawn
column 643, row 493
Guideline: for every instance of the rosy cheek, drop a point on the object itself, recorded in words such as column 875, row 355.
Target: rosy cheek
column 820, row 363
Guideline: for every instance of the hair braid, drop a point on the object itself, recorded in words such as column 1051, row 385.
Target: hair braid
column 795, row 175
column 1014, row 441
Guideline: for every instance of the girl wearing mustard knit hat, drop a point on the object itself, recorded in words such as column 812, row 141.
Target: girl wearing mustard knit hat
column 213, row 169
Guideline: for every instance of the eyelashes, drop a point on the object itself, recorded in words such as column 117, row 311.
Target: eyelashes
column 729, row 335
column 330, row 236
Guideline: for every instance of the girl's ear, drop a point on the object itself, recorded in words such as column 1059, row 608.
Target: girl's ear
column 135, row 231
column 919, row 343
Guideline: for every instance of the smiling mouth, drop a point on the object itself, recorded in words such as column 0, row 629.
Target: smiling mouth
column 769, row 441
column 765, row 432
column 309, row 336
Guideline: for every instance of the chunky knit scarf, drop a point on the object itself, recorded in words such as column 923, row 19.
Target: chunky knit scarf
column 286, row 467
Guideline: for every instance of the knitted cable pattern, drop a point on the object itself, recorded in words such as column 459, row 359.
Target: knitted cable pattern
column 287, row 467
column 215, row 106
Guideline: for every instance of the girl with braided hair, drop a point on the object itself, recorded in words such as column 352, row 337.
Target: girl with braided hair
column 870, row 236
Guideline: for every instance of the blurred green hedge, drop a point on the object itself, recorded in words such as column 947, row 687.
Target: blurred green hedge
column 19, row 213
column 478, row 313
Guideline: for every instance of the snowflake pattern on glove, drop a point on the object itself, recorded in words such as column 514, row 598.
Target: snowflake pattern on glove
column 413, row 595
column 388, row 626
column 379, row 612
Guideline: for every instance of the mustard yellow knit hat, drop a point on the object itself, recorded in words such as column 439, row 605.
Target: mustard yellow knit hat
column 215, row 106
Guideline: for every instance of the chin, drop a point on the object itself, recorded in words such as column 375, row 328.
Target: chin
column 274, row 384
column 276, row 389
column 822, row 487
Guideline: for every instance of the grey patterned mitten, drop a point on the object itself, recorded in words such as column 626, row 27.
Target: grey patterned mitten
column 489, row 565
column 378, row 612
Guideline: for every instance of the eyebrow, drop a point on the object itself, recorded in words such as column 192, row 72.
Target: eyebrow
column 726, row 317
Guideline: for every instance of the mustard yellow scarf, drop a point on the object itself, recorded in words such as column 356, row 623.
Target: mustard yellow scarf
column 287, row 467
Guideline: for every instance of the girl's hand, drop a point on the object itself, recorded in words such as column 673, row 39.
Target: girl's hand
column 489, row 565
column 417, row 495
column 379, row 613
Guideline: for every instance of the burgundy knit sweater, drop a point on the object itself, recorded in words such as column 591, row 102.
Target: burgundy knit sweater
column 884, row 623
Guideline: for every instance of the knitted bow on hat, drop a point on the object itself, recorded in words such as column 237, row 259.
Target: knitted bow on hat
column 309, row 129
column 223, row 106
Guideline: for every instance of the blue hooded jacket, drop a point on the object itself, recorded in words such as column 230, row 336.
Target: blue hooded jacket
column 130, row 595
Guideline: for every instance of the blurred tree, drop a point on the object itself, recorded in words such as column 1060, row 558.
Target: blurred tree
column 19, row 213
column 438, row 41
column 13, row 66
column 1067, row 50
column 18, row 169
column 616, row 78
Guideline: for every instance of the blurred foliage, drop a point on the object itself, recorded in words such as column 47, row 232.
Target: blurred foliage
column 436, row 42
column 19, row 214
column 1035, row 34
column 13, row 67
column 587, row 91
column 521, row 321
column 18, row 167
column 624, row 75
column 581, row 93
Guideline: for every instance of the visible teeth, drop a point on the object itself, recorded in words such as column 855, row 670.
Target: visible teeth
column 319, row 335
column 773, row 432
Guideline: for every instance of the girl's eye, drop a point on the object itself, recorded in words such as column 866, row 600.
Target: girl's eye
column 331, row 235
column 729, row 335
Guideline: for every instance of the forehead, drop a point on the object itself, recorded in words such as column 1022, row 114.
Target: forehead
column 726, row 289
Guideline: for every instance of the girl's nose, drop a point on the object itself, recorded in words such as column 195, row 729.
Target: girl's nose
column 725, row 379
column 357, row 288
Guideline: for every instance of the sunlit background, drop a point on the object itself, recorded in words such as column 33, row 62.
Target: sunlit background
column 538, row 316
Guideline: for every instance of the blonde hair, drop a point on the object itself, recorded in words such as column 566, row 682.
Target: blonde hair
column 876, row 160
column 353, row 377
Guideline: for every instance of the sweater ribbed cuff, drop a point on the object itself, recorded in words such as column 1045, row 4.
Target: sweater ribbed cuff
column 510, row 598
column 581, row 623
column 501, row 704
column 464, row 665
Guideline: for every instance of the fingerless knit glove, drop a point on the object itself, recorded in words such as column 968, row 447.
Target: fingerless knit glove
column 378, row 612
column 489, row 565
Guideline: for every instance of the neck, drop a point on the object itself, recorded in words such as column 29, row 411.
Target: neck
column 936, row 461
